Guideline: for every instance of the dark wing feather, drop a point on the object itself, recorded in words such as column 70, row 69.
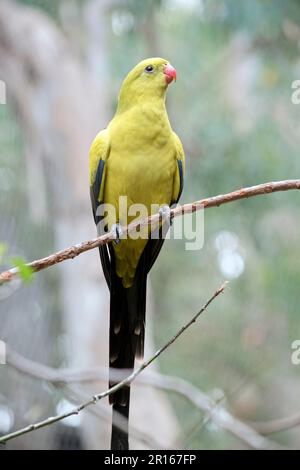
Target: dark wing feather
column 94, row 193
column 180, row 169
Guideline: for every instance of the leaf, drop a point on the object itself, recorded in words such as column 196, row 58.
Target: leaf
column 25, row 271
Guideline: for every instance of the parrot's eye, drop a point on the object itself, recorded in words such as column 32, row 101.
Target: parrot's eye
column 149, row 68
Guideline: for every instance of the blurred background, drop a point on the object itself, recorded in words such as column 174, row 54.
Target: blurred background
column 63, row 63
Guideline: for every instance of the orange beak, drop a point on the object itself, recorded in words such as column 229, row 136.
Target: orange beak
column 170, row 73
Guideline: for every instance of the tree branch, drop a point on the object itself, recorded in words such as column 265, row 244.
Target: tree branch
column 66, row 377
column 76, row 395
column 214, row 411
column 249, row 433
column 215, row 201
column 276, row 425
column 123, row 383
column 218, row 414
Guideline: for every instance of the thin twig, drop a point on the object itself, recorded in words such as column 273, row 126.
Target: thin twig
column 202, row 401
column 245, row 432
column 65, row 377
column 123, row 383
column 215, row 201
column 76, row 395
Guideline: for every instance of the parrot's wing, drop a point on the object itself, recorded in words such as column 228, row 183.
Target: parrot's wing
column 179, row 173
column 154, row 245
column 99, row 152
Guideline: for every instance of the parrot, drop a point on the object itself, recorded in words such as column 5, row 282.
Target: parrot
column 140, row 157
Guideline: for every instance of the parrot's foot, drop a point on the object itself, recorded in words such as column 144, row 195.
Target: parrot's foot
column 117, row 232
column 165, row 214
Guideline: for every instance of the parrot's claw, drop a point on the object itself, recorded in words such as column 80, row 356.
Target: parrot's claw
column 165, row 214
column 117, row 232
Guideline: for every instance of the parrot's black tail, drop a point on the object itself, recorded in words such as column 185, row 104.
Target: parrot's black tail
column 126, row 341
column 119, row 431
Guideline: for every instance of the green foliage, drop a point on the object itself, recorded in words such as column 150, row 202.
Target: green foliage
column 25, row 271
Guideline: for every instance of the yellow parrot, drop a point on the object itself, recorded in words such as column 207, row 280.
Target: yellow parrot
column 139, row 157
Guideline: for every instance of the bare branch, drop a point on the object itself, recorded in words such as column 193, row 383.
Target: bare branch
column 123, row 383
column 55, row 376
column 276, row 425
column 247, row 433
column 65, row 377
column 215, row 201
column 213, row 410
column 103, row 412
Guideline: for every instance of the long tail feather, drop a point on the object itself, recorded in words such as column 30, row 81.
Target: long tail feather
column 119, row 433
column 126, row 341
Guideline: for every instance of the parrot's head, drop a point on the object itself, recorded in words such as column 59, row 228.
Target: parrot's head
column 148, row 79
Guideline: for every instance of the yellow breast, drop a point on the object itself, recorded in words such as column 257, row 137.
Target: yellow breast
column 141, row 168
